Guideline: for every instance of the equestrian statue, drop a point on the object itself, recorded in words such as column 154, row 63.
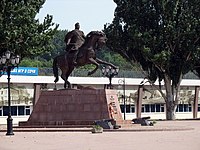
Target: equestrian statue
column 86, row 54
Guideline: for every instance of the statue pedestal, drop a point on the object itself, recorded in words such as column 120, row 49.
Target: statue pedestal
column 74, row 107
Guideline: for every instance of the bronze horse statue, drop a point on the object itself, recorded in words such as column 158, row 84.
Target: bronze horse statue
column 86, row 55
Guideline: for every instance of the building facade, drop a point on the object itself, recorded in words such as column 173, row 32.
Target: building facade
column 153, row 105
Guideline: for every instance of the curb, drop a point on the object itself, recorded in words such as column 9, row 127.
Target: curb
column 143, row 129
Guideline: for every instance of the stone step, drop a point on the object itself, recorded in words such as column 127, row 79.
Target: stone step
column 57, row 123
column 124, row 121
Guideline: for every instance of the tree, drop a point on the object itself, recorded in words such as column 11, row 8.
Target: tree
column 114, row 58
column 161, row 35
column 58, row 45
column 20, row 32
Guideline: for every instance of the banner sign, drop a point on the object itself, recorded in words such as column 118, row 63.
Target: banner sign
column 25, row 71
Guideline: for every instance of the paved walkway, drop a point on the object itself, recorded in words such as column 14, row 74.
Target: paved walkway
column 165, row 135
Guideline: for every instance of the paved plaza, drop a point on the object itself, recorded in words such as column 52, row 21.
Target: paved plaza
column 165, row 135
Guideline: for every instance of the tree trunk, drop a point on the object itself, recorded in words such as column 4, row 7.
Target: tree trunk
column 170, row 104
column 170, row 110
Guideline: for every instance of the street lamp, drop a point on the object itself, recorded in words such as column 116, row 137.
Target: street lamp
column 8, row 62
column 122, row 82
column 110, row 72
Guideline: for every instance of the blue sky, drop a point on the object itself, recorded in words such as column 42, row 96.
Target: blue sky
column 91, row 14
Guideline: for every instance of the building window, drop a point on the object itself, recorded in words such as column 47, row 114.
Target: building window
column 184, row 108
column 20, row 110
column 143, row 108
column 27, row 110
column 187, row 108
column 1, row 112
column 5, row 110
column 122, row 108
column 15, row 110
column 148, row 108
column 198, row 107
column 162, row 109
column 158, row 107
column 152, row 107
column 129, row 108
column 132, row 108
column 180, row 108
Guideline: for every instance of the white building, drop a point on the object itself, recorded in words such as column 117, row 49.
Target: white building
column 153, row 105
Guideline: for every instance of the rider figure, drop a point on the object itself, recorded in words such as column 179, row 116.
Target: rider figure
column 74, row 40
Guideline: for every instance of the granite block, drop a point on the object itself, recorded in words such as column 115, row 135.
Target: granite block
column 71, row 106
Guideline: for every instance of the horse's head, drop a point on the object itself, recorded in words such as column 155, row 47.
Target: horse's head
column 102, row 40
column 98, row 38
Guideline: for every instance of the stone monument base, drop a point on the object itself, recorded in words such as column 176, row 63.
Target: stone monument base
column 74, row 107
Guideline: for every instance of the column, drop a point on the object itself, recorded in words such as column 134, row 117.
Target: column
column 139, row 102
column 195, row 104
column 36, row 93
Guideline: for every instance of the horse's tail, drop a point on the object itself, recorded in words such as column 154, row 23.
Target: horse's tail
column 55, row 69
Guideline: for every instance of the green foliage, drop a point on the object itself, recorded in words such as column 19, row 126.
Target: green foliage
column 20, row 32
column 163, row 36
column 98, row 127
column 58, row 45
column 115, row 58
column 37, row 62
